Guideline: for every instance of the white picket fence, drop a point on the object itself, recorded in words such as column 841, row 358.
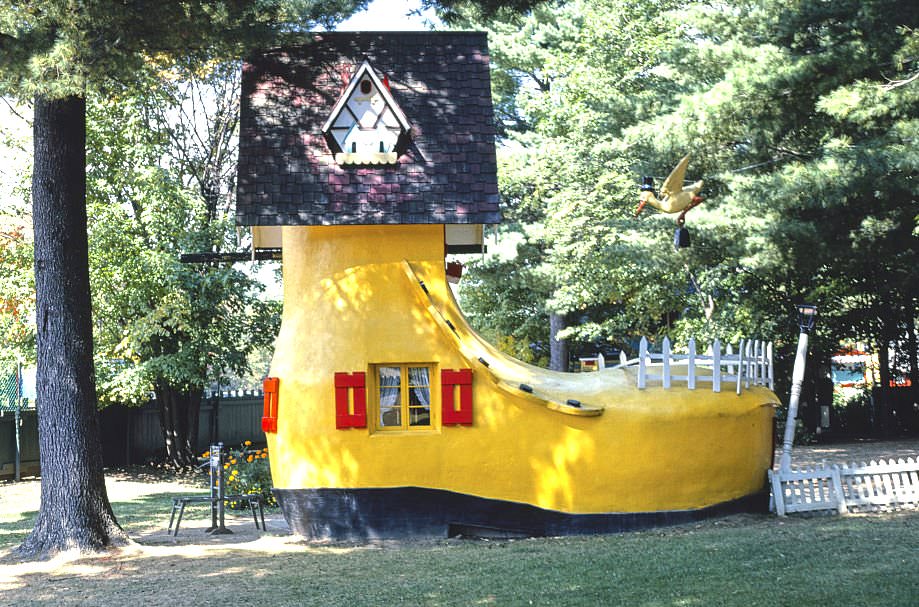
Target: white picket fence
column 751, row 365
column 875, row 485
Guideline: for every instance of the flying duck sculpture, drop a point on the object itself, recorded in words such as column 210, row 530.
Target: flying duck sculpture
column 674, row 197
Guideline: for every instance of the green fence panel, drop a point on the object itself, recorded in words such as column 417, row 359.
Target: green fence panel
column 10, row 386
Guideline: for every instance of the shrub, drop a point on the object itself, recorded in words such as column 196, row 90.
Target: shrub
column 247, row 471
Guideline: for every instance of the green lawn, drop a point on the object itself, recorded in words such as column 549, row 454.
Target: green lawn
column 746, row 560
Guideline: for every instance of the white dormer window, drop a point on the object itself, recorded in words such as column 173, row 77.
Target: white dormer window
column 366, row 123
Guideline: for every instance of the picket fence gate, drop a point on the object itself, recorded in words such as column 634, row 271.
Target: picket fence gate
column 855, row 487
column 751, row 365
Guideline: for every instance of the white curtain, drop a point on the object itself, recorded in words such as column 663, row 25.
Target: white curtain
column 390, row 396
column 390, row 378
column 421, row 385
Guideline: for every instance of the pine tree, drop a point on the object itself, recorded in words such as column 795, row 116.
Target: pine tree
column 58, row 52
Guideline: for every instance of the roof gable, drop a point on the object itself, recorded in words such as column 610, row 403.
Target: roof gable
column 366, row 115
column 293, row 164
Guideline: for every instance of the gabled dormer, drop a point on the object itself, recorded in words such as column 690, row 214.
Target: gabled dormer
column 366, row 126
column 302, row 112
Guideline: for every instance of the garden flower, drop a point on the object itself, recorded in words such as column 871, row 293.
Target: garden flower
column 248, row 443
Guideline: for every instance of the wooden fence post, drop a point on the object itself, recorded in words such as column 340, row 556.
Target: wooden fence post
column 716, row 366
column 665, row 353
column 691, row 365
column 750, row 361
column 771, row 371
column 642, row 364
column 740, row 364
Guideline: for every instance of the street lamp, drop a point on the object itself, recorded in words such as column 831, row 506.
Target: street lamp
column 807, row 316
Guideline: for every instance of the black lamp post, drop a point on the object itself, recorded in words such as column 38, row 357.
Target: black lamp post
column 807, row 316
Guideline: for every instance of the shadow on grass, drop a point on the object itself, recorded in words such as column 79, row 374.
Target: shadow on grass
column 158, row 474
column 13, row 532
column 761, row 561
column 137, row 516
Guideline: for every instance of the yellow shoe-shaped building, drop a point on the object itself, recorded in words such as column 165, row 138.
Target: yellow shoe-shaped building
column 394, row 418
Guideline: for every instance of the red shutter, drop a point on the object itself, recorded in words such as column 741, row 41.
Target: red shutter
column 452, row 381
column 270, row 411
column 356, row 382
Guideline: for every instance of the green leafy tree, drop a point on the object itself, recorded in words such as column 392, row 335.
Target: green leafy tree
column 57, row 52
column 801, row 119
column 572, row 77
column 163, row 326
column 17, row 288
column 809, row 133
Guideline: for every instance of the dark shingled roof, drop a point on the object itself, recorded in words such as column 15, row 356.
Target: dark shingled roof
column 288, row 174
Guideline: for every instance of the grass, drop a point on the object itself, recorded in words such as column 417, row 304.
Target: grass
column 747, row 560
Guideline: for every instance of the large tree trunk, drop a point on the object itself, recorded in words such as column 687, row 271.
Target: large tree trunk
column 75, row 511
column 558, row 348
column 179, row 410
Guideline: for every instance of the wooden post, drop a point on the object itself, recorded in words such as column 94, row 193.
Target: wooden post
column 797, row 378
column 771, row 371
column 691, row 365
column 642, row 364
column 750, row 363
column 740, row 364
column 17, row 422
column 778, row 494
column 665, row 358
column 836, row 479
column 716, row 366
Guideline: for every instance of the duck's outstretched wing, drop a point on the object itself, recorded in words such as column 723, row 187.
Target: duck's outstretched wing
column 673, row 185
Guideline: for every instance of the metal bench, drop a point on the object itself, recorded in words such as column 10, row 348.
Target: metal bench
column 179, row 502
column 216, row 498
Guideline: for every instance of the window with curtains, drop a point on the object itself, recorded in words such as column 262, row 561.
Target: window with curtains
column 403, row 396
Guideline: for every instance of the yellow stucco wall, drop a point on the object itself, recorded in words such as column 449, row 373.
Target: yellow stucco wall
column 349, row 304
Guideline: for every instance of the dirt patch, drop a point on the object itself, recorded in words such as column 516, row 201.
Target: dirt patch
column 857, row 451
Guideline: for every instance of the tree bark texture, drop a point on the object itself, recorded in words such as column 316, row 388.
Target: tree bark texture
column 75, row 512
column 558, row 348
column 179, row 411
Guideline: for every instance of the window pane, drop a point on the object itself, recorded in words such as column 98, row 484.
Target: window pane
column 419, row 396
column 390, row 416
column 419, row 416
column 389, row 382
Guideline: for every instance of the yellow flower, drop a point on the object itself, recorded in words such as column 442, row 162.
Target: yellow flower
column 233, row 461
column 226, row 466
column 248, row 443
column 264, row 455
column 249, row 459
column 206, row 454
